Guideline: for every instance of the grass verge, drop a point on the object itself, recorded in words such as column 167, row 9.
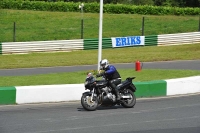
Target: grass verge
column 79, row 77
column 89, row 57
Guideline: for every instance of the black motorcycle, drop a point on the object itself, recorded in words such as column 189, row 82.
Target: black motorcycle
column 101, row 94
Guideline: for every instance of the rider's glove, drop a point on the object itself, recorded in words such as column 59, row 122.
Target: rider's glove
column 99, row 75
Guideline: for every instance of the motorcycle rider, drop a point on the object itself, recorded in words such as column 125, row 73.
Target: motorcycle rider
column 112, row 75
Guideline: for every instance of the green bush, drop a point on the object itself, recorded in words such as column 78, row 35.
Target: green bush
column 94, row 8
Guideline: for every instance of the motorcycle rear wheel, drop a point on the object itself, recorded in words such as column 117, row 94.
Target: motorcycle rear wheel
column 129, row 103
column 87, row 103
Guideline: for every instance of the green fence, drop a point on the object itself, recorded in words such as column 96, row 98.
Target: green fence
column 107, row 42
column 0, row 48
column 93, row 43
column 151, row 40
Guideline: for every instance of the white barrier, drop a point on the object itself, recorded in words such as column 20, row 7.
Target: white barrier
column 183, row 85
column 41, row 46
column 179, row 38
column 71, row 92
column 49, row 93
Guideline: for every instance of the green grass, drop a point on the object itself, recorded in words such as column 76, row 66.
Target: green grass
column 88, row 57
column 44, row 25
column 79, row 77
column 41, row 25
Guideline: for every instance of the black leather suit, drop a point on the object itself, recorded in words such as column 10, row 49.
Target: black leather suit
column 113, row 77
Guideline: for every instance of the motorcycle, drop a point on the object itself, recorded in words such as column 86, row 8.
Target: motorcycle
column 101, row 94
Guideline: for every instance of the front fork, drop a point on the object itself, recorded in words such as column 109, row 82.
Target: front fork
column 93, row 96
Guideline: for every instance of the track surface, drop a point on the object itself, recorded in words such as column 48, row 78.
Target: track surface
column 165, row 115
column 186, row 64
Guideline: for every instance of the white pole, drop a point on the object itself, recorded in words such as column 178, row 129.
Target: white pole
column 100, row 34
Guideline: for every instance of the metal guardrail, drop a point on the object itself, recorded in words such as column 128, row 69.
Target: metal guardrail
column 41, row 46
column 178, row 39
column 87, row 44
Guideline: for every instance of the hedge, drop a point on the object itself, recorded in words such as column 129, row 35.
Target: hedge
column 94, row 8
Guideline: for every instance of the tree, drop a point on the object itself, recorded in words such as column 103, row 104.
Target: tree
column 159, row 2
column 192, row 3
column 143, row 2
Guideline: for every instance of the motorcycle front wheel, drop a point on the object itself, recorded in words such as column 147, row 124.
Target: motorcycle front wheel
column 88, row 103
column 129, row 103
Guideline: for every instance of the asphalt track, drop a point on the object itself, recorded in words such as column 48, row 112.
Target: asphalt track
column 163, row 115
column 185, row 64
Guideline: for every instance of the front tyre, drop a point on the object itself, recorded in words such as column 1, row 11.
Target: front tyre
column 87, row 103
column 130, row 102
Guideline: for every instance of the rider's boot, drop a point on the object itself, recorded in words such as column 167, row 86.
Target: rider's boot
column 118, row 97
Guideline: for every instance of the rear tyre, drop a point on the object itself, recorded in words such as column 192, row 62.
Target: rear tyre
column 129, row 103
column 87, row 103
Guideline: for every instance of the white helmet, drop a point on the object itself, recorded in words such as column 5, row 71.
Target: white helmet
column 104, row 63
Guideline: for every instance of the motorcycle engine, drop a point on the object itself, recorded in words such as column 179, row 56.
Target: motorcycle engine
column 108, row 94
column 106, row 90
column 111, row 97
